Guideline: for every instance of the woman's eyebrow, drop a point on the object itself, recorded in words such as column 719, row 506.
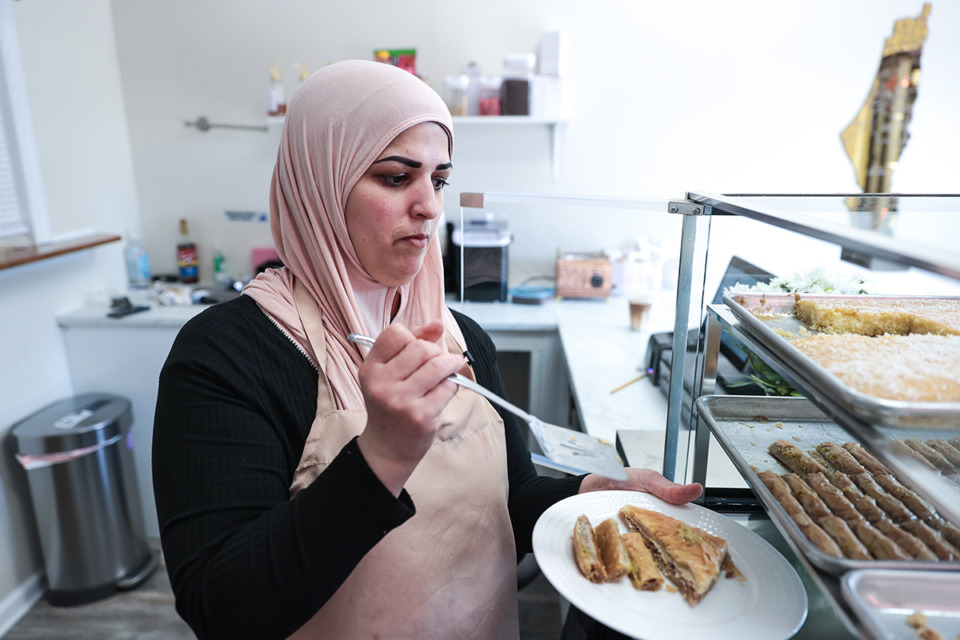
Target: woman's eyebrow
column 413, row 164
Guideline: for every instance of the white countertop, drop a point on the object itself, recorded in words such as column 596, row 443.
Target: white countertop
column 600, row 350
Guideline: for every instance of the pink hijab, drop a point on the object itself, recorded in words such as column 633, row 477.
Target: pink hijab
column 337, row 124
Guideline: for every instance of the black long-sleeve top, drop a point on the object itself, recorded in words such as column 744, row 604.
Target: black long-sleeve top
column 235, row 404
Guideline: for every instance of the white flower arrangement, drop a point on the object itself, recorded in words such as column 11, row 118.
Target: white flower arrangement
column 815, row 280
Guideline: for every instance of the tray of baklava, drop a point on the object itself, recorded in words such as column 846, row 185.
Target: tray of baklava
column 840, row 506
column 890, row 361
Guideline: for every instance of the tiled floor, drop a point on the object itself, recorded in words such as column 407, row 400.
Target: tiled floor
column 147, row 613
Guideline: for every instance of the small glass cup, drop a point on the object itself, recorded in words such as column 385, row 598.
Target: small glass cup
column 640, row 304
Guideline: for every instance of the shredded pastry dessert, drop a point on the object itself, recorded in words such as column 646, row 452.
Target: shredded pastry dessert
column 874, row 316
column 913, row 368
column 690, row 557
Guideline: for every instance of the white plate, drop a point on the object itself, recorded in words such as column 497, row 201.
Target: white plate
column 767, row 603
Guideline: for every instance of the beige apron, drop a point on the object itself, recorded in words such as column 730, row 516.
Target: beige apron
column 449, row 571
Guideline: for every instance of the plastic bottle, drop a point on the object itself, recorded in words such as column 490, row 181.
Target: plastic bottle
column 221, row 277
column 472, row 71
column 276, row 104
column 138, row 264
column 187, row 257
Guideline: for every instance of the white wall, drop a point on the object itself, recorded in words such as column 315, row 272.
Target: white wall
column 73, row 87
column 737, row 96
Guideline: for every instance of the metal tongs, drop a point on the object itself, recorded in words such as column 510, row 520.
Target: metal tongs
column 564, row 449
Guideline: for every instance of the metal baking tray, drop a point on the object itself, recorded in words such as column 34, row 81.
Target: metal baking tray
column 883, row 600
column 769, row 319
column 745, row 426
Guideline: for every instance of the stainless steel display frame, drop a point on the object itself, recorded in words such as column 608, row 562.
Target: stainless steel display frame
column 942, row 494
column 863, row 242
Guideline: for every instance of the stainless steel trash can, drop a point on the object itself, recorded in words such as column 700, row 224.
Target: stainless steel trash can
column 78, row 457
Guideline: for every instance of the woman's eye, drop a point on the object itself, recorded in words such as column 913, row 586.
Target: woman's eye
column 439, row 184
column 395, row 181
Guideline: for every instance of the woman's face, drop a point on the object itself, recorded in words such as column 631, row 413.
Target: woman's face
column 392, row 211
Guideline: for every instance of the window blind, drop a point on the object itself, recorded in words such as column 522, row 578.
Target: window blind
column 12, row 214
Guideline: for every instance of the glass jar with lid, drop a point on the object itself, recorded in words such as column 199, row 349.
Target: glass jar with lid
column 457, row 94
column 488, row 96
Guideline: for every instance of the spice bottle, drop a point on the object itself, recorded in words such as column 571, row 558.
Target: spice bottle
column 187, row 258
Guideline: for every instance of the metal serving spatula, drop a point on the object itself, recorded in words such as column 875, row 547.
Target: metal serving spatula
column 572, row 451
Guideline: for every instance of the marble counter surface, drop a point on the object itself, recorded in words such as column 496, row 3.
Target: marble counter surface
column 601, row 352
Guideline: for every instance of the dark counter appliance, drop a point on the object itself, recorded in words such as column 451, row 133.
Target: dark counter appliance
column 484, row 252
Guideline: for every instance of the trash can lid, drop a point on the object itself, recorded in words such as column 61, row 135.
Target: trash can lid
column 81, row 421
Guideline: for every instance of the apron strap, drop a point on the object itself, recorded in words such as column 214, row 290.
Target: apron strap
column 313, row 324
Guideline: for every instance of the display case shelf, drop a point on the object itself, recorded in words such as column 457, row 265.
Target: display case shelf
column 806, row 216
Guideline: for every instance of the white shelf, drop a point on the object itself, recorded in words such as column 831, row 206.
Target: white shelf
column 275, row 123
column 555, row 124
column 502, row 120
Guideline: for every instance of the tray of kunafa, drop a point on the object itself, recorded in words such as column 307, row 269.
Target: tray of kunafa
column 890, row 361
column 840, row 506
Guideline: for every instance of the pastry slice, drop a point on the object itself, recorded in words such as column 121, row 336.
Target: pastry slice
column 948, row 451
column 894, row 508
column 778, row 487
column 806, row 496
column 839, row 457
column 690, row 557
column 906, row 541
column 616, row 564
column 845, row 538
column 833, row 497
column 866, row 506
column 644, row 573
column 932, row 455
column 794, row 459
column 949, row 532
column 585, row 551
column 880, row 545
column 866, row 459
column 920, row 507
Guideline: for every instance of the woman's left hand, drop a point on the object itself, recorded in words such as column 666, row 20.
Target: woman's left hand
column 648, row 481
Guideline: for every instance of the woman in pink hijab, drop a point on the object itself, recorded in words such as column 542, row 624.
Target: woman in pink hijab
column 308, row 487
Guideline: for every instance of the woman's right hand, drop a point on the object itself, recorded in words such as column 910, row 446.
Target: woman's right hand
column 404, row 384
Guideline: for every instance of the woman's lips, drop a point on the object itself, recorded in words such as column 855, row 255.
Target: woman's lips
column 418, row 240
